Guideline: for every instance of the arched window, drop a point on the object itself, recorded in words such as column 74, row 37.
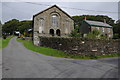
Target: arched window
column 51, row 32
column 67, row 27
column 41, row 27
column 54, row 20
column 58, row 32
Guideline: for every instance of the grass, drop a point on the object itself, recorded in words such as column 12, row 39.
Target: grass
column 4, row 42
column 56, row 53
column 0, row 44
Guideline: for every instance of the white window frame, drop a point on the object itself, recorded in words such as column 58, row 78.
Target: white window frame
column 109, row 30
column 41, row 27
column 103, row 29
column 54, row 20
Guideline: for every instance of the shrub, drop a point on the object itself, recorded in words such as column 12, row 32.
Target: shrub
column 94, row 34
column 75, row 33
column 116, row 36
column 103, row 36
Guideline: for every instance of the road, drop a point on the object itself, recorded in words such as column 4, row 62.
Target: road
column 18, row 62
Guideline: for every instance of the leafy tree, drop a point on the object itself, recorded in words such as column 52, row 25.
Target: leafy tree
column 116, row 29
column 10, row 26
column 78, row 19
column 24, row 26
column 16, row 25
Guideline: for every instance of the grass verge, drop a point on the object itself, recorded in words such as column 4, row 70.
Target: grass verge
column 4, row 42
column 56, row 53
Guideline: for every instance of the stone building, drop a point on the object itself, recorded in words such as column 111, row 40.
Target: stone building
column 104, row 28
column 52, row 21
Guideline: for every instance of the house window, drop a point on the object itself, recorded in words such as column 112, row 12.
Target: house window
column 108, row 30
column 41, row 25
column 103, row 29
column 54, row 20
column 97, row 28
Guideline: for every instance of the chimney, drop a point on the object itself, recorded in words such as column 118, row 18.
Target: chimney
column 104, row 20
column 85, row 18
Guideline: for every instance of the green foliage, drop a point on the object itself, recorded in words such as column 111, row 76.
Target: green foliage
column 5, row 42
column 103, row 36
column 116, row 30
column 94, row 34
column 75, row 33
column 10, row 26
column 116, row 36
column 78, row 19
column 24, row 25
column 16, row 25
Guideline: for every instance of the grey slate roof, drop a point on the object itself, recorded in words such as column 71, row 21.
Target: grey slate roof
column 97, row 23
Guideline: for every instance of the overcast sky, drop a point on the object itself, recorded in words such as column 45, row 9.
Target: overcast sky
column 25, row 11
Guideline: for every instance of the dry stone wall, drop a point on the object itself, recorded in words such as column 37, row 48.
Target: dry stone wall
column 84, row 47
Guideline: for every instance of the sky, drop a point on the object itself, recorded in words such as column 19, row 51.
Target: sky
column 25, row 11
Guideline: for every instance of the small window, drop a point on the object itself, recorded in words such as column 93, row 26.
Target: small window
column 108, row 30
column 103, row 29
column 97, row 28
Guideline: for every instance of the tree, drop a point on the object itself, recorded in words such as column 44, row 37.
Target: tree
column 15, row 25
column 78, row 19
column 24, row 26
column 116, row 29
column 10, row 26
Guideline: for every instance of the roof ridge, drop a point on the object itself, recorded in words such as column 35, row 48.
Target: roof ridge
column 51, row 7
column 97, row 23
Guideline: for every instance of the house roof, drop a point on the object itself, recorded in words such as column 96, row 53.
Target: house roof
column 97, row 23
column 50, row 8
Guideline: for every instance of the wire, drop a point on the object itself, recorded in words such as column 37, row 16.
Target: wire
column 73, row 8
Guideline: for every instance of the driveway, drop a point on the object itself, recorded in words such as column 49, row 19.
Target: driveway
column 18, row 62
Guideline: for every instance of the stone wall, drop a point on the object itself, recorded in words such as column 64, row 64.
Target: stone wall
column 65, row 23
column 85, row 47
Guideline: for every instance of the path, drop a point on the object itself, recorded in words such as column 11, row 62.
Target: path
column 18, row 62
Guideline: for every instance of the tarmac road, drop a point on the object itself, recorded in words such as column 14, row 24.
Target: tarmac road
column 18, row 62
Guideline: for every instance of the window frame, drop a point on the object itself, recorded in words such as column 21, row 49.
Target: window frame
column 54, row 20
column 41, row 26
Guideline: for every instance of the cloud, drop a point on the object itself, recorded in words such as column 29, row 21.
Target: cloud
column 25, row 11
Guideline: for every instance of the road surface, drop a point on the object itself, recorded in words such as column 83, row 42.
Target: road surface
column 18, row 62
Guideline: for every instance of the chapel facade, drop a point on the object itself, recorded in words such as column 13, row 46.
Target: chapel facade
column 51, row 22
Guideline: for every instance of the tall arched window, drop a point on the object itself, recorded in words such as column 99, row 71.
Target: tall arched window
column 67, row 27
column 41, row 27
column 54, row 20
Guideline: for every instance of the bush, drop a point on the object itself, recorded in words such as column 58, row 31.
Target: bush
column 4, row 36
column 103, row 36
column 116, row 36
column 75, row 33
column 94, row 34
